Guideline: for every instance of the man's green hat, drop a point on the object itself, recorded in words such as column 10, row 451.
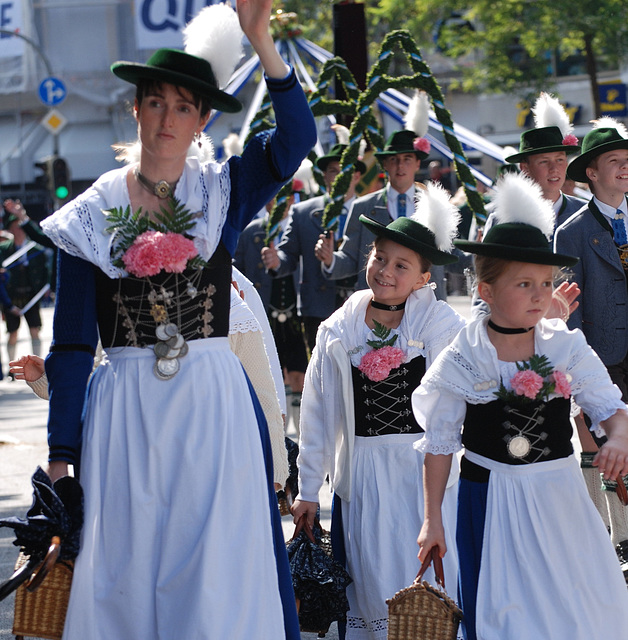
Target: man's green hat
column 595, row 143
column 404, row 141
column 544, row 140
column 334, row 155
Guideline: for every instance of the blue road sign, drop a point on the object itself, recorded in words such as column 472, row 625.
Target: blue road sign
column 52, row 91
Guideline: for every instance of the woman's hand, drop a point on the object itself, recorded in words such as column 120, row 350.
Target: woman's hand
column 57, row 469
column 29, row 368
column 612, row 458
column 254, row 18
column 303, row 506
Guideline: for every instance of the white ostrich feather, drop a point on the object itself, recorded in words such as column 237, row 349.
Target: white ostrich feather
column 611, row 123
column 417, row 117
column 342, row 133
column 304, row 173
column 215, row 34
column 232, row 145
column 130, row 152
column 435, row 211
column 520, row 199
column 548, row 112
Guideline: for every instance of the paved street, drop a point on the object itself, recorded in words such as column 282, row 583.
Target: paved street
column 23, row 447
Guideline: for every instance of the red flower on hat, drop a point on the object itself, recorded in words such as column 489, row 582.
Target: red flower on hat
column 421, row 144
column 570, row 140
column 297, row 185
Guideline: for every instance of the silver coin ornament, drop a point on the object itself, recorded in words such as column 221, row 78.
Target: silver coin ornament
column 519, row 446
column 168, row 350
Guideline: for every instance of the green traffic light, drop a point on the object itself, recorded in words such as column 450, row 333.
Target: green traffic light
column 61, row 192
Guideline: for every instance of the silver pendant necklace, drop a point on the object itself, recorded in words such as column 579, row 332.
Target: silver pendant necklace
column 161, row 189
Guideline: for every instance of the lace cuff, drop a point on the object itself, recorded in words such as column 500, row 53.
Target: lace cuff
column 438, row 448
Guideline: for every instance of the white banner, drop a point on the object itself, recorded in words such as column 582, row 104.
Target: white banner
column 11, row 20
column 158, row 23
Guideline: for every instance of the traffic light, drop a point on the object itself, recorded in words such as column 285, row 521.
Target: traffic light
column 60, row 178
column 55, row 177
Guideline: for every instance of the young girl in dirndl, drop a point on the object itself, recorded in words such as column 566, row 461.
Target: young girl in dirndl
column 526, row 525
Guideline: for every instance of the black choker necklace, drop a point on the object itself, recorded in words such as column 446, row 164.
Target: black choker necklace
column 388, row 307
column 507, row 330
column 161, row 189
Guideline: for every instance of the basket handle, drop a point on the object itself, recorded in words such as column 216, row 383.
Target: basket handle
column 46, row 566
column 432, row 556
column 622, row 494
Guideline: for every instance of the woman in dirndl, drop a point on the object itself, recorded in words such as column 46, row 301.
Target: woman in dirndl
column 182, row 537
column 357, row 425
column 526, row 525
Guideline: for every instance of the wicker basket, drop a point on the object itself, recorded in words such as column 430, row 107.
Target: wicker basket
column 423, row 612
column 41, row 613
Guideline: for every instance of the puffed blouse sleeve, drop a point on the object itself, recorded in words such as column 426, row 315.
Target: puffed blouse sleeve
column 441, row 414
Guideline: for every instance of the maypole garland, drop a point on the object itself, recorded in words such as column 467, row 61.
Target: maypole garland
column 376, row 82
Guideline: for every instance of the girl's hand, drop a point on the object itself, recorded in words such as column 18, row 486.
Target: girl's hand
column 254, row 17
column 432, row 535
column 304, row 506
column 612, row 458
column 564, row 301
column 29, row 368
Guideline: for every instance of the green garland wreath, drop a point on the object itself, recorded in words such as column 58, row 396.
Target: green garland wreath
column 378, row 81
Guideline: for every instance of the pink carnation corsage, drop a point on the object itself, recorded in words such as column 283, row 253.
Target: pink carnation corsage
column 154, row 251
column 376, row 365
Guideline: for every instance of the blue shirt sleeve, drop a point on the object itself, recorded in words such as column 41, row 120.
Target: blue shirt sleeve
column 270, row 158
column 71, row 357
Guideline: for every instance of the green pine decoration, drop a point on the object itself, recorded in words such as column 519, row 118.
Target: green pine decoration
column 381, row 332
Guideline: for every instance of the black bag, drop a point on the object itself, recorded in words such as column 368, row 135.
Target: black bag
column 318, row 580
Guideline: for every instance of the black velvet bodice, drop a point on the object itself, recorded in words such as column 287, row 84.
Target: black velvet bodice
column 518, row 434
column 136, row 311
column 383, row 408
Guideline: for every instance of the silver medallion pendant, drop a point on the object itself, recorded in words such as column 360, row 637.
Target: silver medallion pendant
column 166, row 368
column 519, row 446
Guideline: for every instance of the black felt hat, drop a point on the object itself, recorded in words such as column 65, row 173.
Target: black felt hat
column 544, row 140
column 428, row 231
column 404, row 141
column 525, row 221
column 334, row 155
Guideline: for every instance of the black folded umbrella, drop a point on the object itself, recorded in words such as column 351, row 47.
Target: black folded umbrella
column 57, row 512
column 318, row 580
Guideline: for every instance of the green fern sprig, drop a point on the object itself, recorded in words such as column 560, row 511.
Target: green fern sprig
column 381, row 332
column 125, row 226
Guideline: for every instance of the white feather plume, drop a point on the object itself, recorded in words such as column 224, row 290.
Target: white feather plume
column 232, row 145
column 342, row 133
column 130, row 152
column 417, row 117
column 548, row 112
column 611, row 123
column 215, row 34
column 304, row 173
column 435, row 211
column 520, row 199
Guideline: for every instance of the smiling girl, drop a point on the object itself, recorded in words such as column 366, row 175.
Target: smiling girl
column 502, row 390
column 356, row 419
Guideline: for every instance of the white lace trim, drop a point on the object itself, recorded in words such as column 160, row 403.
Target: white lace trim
column 244, row 326
column 358, row 629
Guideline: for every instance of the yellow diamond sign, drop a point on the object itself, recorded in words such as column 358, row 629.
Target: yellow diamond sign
column 54, row 121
